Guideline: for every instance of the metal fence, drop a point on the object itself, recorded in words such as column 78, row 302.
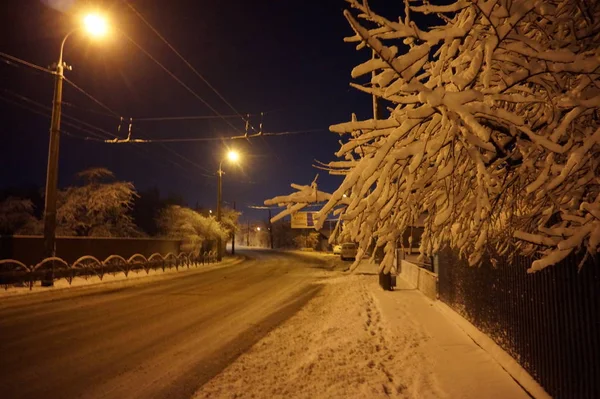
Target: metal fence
column 30, row 249
column 548, row 321
column 16, row 273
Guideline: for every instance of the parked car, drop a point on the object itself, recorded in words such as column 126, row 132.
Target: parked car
column 349, row 250
column 337, row 249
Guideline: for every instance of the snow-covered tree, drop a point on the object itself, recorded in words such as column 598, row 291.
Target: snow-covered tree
column 310, row 240
column 492, row 130
column 229, row 221
column 184, row 223
column 100, row 207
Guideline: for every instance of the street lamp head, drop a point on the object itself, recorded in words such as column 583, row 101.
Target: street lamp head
column 258, row 229
column 233, row 156
column 95, row 25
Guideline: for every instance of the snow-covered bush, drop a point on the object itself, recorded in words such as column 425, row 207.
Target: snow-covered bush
column 492, row 130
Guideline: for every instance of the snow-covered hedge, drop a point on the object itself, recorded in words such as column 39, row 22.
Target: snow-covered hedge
column 492, row 130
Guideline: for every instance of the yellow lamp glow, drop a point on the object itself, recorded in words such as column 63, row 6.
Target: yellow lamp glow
column 95, row 25
column 233, row 156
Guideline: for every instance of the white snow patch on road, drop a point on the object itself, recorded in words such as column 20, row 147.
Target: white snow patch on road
column 355, row 341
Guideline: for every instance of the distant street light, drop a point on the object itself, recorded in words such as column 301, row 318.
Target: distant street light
column 258, row 229
column 234, row 157
column 95, row 26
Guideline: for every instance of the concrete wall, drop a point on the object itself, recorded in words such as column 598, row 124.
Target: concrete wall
column 30, row 249
column 423, row 280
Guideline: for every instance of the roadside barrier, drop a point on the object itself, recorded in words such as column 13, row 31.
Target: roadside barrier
column 16, row 273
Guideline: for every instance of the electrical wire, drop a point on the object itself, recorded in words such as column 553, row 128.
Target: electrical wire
column 187, row 63
column 94, row 99
column 174, row 77
column 94, row 136
column 47, row 115
column 71, row 105
column 31, row 101
column 115, row 114
column 35, row 111
column 26, row 63
column 294, row 132
column 188, row 161
column 183, row 118
column 196, row 139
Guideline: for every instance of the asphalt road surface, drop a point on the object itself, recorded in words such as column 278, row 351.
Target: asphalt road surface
column 156, row 339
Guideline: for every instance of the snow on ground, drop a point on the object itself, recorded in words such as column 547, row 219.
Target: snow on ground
column 354, row 340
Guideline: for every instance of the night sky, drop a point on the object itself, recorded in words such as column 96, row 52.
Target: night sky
column 284, row 58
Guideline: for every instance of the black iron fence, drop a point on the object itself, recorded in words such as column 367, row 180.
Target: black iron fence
column 16, row 273
column 548, row 321
column 22, row 261
column 30, row 249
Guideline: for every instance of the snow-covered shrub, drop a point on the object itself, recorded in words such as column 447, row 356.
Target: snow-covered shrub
column 491, row 131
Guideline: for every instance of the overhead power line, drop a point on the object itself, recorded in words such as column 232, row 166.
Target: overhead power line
column 95, row 135
column 107, row 114
column 187, row 63
column 98, row 133
column 48, row 108
column 199, row 139
column 92, row 135
column 94, row 99
column 26, row 63
column 47, row 115
column 174, row 77
column 184, row 118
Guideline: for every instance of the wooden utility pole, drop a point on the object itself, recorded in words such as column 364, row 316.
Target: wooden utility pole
column 219, row 199
column 50, row 197
column 270, row 230
column 233, row 235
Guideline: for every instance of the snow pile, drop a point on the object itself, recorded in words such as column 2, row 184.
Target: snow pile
column 492, row 130
column 355, row 341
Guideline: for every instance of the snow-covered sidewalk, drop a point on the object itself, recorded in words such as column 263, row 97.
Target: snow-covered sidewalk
column 354, row 340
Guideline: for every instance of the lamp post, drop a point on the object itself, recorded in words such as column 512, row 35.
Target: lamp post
column 232, row 156
column 95, row 26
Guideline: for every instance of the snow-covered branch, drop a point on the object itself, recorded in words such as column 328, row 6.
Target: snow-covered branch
column 493, row 133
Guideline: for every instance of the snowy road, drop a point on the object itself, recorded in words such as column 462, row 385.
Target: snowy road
column 157, row 339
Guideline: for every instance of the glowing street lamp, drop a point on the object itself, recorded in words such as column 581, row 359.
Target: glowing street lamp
column 234, row 157
column 95, row 26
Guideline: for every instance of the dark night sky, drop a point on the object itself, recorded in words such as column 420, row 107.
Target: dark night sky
column 286, row 58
